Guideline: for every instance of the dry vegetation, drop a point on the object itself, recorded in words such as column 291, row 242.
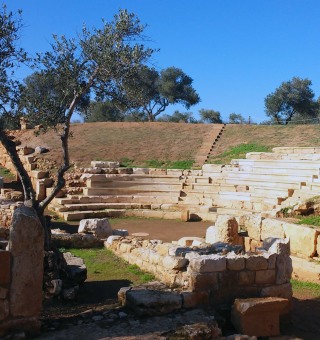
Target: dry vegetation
column 143, row 142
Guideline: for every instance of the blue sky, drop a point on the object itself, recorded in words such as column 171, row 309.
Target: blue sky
column 236, row 51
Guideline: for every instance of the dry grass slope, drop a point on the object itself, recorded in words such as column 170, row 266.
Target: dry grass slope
column 164, row 141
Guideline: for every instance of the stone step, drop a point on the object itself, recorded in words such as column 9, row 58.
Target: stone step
column 278, row 163
column 144, row 186
column 118, row 199
column 79, row 215
column 246, row 205
column 296, row 150
column 273, row 170
column 135, row 178
column 272, row 177
column 130, row 191
column 263, row 183
column 102, row 206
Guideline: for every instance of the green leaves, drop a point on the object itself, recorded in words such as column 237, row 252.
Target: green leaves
column 294, row 97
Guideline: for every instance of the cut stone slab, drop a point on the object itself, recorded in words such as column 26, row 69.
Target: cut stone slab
column 99, row 227
column 151, row 299
column 258, row 316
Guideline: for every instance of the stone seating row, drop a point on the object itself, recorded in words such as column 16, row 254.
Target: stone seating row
column 245, row 186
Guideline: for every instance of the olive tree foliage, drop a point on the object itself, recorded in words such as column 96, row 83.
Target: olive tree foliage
column 210, row 116
column 151, row 92
column 99, row 61
column 178, row 117
column 103, row 112
column 294, row 97
column 236, row 118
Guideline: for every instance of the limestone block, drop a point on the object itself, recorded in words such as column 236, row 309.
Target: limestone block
column 206, row 281
column 256, row 262
column 155, row 258
column 27, row 266
column 225, row 230
column 211, row 167
column 39, row 174
column 155, row 171
column 252, row 224
column 283, row 260
column 267, row 276
column 208, row 264
column 152, row 302
column 5, row 267
column 246, row 278
column 272, row 228
column 195, row 299
column 174, row 172
column 105, row 164
column 111, row 239
column 188, row 241
column 99, row 227
column 303, row 239
column 258, row 316
column 141, row 171
column 305, row 270
column 283, row 291
column 163, row 248
column 173, row 262
column 125, row 247
column 192, row 255
column 76, row 269
column 235, row 262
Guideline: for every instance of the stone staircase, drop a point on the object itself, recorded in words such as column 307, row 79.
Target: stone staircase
column 262, row 183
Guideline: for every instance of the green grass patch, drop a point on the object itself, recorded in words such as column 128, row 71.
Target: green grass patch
column 308, row 288
column 5, row 173
column 313, row 220
column 238, row 151
column 155, row 163
column 103, row 265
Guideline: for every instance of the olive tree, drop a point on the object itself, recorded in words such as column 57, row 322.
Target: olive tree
column 98, row 62
column 294, row 97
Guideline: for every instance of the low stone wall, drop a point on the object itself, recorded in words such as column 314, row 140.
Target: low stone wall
column 212, row 273
column 304, row 239
column 6, row 211
column 21, row 273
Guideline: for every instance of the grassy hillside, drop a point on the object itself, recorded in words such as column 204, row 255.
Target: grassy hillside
column 153, row 144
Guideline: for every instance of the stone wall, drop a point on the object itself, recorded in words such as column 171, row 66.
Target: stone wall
column 212, row 273
column 21, row 273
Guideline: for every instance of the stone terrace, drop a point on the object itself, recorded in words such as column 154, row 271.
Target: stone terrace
column 262, row 183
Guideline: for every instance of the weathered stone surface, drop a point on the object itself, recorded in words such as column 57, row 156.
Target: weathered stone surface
column 303, row 239
column 163, row 249
column 5, row 267
column 246, row 278
column 267, row 276
column 195, row 299
column 224, row 230
column 272, row 228
column 252, row 224
column 76, row 269
column 111, row 239
column 283, row 262
column 99, row 227
column 27, row 266
column 65, row 240
column 256, row 262
column 206, row 281
column 153, row 302
column 208, row 264
column 189, row 241
column 235, row 262
column 258, row 316
column 4, row 309
column 304, row 270
column 283, row 291
column 173, row 262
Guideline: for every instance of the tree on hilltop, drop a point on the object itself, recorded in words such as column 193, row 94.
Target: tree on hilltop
column 294, row 97
column 236, row 118
column 210, row 116
column 151, row 92
column 178, row 117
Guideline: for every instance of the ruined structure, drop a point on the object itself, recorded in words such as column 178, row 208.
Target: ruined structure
column 21, row 274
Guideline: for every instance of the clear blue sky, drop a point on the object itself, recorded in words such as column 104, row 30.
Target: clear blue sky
column 236, row 51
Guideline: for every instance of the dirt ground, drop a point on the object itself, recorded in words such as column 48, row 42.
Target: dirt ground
column 305, row 320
